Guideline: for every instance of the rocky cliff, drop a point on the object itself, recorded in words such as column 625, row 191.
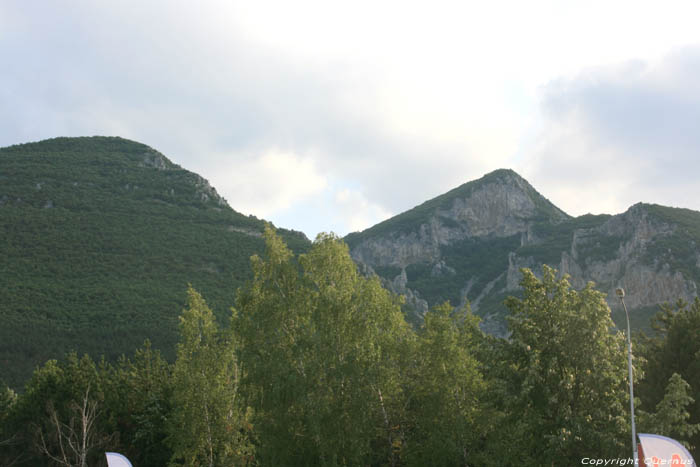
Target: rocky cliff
column 470, row 243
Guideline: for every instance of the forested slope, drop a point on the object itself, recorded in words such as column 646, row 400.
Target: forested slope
column 100, row 238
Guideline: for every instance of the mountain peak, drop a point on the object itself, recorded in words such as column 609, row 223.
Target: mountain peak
column 509, row 177
column 504, row 174
column 119, row 165
column 500, row 203
column 94, row 149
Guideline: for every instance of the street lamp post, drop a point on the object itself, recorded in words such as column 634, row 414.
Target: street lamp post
column 621, row 293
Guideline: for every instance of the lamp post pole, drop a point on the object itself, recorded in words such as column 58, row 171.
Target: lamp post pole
column 621, row 293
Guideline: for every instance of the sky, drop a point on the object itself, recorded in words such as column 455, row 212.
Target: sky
column 333, row 116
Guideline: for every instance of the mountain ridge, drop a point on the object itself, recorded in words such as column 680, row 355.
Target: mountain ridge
column 466, row 246
column 102, row 236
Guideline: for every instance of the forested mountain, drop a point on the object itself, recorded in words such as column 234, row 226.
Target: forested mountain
column 100, row 238
column 105, row 240
column 102, row 235
column 470, row 243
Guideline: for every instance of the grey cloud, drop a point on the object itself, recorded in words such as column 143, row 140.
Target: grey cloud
column 632, row 129
column 149, row 72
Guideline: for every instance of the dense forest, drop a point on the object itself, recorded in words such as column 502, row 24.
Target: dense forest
column 100, row 237
column 317, row 365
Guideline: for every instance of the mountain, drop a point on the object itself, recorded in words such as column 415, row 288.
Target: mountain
column 100, row 238
column 470, row 243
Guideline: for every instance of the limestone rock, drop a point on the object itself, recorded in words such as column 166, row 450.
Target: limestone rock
column 470, row 244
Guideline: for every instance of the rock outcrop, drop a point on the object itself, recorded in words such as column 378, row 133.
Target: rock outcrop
column 470, row 244
column 501, row 204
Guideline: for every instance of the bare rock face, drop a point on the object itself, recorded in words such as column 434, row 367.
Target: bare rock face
column 647, row 281
column 499, row 209
column 515, row 263
column 469, row 245
column 157, row 160
column 398, row 285
column 400, row 252
column 500, row 205
column 503, row 207
column 206, row 192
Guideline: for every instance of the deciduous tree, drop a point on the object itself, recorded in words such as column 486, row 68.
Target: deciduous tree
column 320, row 344
column 567, row 374
column 674, row 348
column 208, row 424
column 446, row 411
column 671, row 415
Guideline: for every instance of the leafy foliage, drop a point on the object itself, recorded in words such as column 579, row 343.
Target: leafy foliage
column 447, row 417
column 319, row 367
column 207, row 424
column 100, row 238
column 674, row 349
column 60, row 407
column 320, row 345
column 566, row 373
column 138, row 401
column 671, row 415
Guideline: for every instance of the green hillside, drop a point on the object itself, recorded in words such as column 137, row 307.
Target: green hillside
column 100, row 237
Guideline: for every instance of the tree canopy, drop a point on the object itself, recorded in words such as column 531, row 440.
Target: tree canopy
column 318, row 366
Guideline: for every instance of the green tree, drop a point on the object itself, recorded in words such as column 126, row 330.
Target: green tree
column 671, row 415
column 8, row 397
column 320, row 345
column 674, row 348
column 208, row 425
column 59, row 417
column 566, row 374
column 446, row 414
column 9, row 454
column 138, row 395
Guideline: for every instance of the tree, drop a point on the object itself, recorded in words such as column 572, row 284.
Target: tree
column 566, row 371
column 674, row 348
column 8, row 439
column 58, row 417
column 446, row 411
column 138, row 393
column 671, row 415
column 208, row 425
column 320, row 345
column 69, row 443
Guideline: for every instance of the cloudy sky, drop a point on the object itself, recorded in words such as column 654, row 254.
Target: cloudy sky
column 332, row 116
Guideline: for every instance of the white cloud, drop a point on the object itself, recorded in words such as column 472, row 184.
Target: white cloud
column 356, row 211
column 396, row 101
column 267, row 184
